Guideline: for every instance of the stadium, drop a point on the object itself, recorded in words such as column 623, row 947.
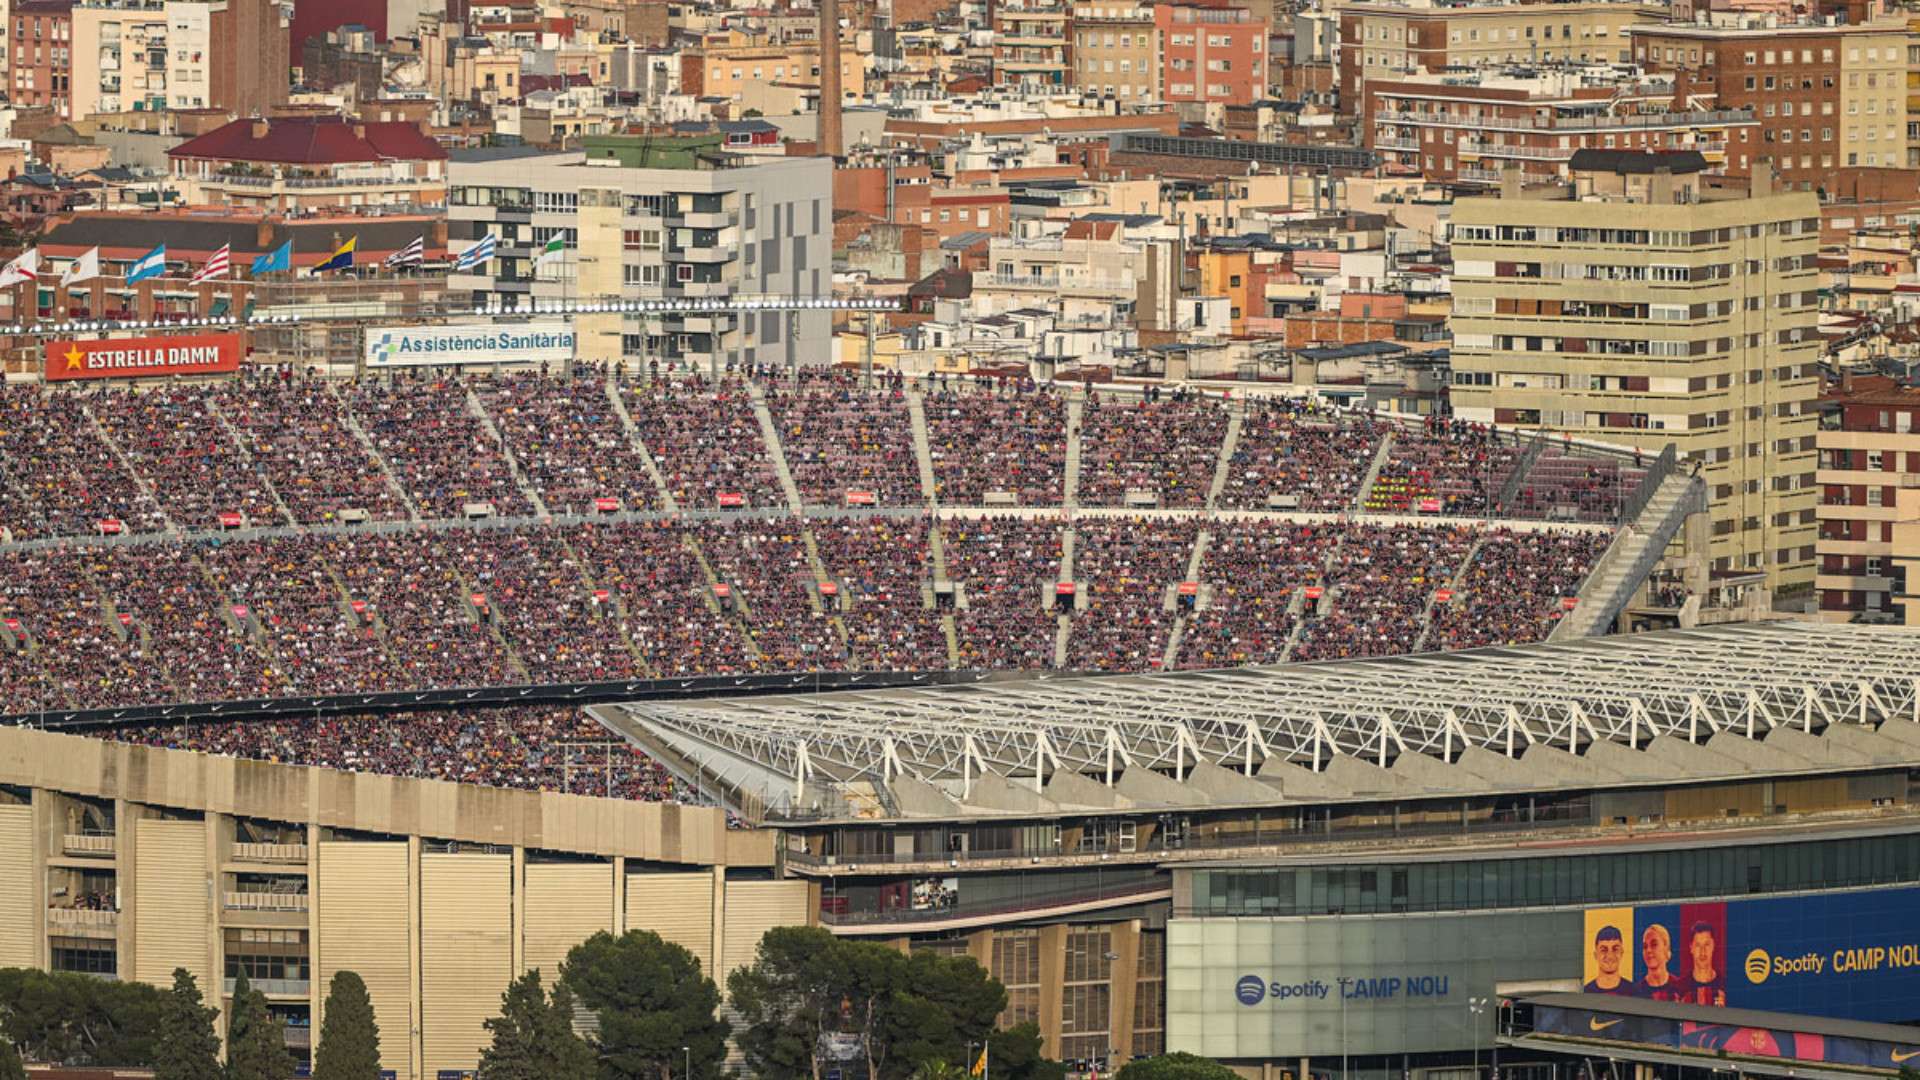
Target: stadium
column 1146, row 700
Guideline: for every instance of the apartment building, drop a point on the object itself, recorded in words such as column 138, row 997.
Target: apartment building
column 731, row 64
column 1870, row 505
column 1466, row 128
column 1389, row 41
column 653, row 219
column 1827, row 96
column 250, row 40
column 303, row 164
column 1031, row 46
column 42, row 55
column 140, row 56
column 1628, row 310
column 1212, row 55
column 1116, row 51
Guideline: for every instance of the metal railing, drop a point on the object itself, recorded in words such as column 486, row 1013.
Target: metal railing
column 277, row 853
column 266, row 901
column 1141, row 890
column 65, row 916
column 87, row 843
column 1571, row 123
column 1657, row 474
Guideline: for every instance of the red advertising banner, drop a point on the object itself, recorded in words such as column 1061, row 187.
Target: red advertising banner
column 860, row 498
column 829, row 588
column 1063, row 588
column 1429, row 506
column 1189, row 588
column 230, row 520
column 732, row 498
column 1315, row 592
column 606, row 506
column 1441, row 596
column 722, row 589
column 109, row 526
column 143, row 357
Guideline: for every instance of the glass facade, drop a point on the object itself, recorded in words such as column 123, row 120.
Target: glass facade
column 1601, row 878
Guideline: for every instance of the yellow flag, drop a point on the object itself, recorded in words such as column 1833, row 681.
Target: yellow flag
column 980, row 1066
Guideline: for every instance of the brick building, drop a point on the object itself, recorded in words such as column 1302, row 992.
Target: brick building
column 251, row 65
column 1869, row 477
column 42, row 58
column 1211, row 54
column 1826, row 96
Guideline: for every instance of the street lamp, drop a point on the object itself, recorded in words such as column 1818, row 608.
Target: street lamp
column 1475, row 1007
column 688, row 1051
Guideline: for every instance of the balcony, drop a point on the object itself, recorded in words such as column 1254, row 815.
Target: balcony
column 704, row 219
column 278, row 987
column 266, row 901
column 273, row 853
column 1397, row 144
column 96, row 845
column 1537, row 153
column 701, row 288
column 84, row 922
column 1062, row 285
column 718, row 253
column 1569, row 123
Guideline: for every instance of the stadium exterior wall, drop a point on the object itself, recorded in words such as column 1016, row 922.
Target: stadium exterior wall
column 133, row 859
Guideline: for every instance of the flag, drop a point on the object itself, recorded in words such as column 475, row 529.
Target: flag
column 477, row 254
column 280, row 258
column 555, row 250
column 341, row 259
column 216, row 267
column 24, row 267
column 979, row 1067
column 412, row 255
column 84, row 268
column 150, row 265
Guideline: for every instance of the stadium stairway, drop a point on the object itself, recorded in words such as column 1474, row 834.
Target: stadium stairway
column 922, row 446
column 398, row 490
column 1635, row 550
column 1229, row 445
column 246, row 455
column 126, row 463
column 1076, row 408
column 1365, row 490
column 1453, row 584
column 1179, row 628
column 770, row 434
column 478, row 410
column 640, row 447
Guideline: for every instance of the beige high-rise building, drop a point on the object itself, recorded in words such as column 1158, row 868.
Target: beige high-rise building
column 1116, row 50
column 1631, row 308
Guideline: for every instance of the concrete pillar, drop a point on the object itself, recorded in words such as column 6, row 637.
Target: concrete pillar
column 518, row 890
column 1124, row 977
column 316, row 991
column 415, row 1047
column 597, row 273
column 1053, row 978
column 619, row 922
column 719, row 953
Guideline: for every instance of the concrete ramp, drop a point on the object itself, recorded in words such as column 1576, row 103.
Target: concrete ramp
column 1871, row 745
column 1904, row 732
column 1223, row 785
column 1356, row 777
column 1146, row 787
column 1070, row 789
column 998, row 794
column 917, row 798
column 1752, row 754
column 1643, row 763
column 1815, row 748
column 1556, row 766
column 1423, row 773
column 1499, row 771
column 1299, row 782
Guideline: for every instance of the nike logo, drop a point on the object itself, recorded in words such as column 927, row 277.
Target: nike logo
column 1899, row 1056
column 1598, row 1024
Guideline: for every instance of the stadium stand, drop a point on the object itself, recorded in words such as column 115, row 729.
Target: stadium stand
column 295, row 599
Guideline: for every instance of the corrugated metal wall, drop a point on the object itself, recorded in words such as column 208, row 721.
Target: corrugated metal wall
column 678, row 907
column 19, row 922
column 567, row 903
column 466, row 954
column 171, row 902
column 362, row 927
column 753, row 908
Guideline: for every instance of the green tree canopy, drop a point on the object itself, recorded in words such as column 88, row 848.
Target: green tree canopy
column 256, row 1039
column 74, row 1019
column 809, row 995
column 656, row 1009
column 11, row 1067
column 533, row 1036
column 1178, row 1066
column 349, row 1046
column 1016, row 1055
column 189, row 1047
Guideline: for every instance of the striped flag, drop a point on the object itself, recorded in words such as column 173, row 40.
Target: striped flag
column 477, row 254
column 216, row 267
column 412, row 255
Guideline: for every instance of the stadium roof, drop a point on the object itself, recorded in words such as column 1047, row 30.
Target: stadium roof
column 1673, row 706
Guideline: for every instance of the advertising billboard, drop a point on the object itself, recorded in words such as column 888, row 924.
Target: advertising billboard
column 1854, row 955
column 1736, row 1040
column 470, row 343
column 143, row 357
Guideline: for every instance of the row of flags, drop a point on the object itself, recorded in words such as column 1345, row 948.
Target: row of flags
column 26, row 266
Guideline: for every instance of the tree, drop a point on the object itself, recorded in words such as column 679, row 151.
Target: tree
column 189, row 1048
column 256, row 1040
column 809, row 993
column 656, row 1009
column 72, row 1019
column 939, row 1070
column 1015, row 1055
column 11, row 1067
column 1176, row 1066
column 349, row 1036
column 533, row 1036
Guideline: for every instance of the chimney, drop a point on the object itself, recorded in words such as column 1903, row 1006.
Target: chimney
column 829, row 34
column 1660, row 188
column 259, row 127
column 1510, row 183
column 1762, row 183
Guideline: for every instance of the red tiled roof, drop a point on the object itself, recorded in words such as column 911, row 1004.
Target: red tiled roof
column 312, row 142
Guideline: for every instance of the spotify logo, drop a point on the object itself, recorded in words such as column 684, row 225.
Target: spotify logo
column 1758, row 964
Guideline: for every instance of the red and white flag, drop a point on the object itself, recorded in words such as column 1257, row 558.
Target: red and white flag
column 24, row 267
column 216, row 266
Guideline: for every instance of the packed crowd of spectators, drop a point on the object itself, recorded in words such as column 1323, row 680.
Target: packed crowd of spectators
column 318, row 643
column 538, row 748
column 440, row 451
column 1130, row 570
column 1379, row 582
column 1561, row 487
column 569, row 442
column 1007, row 568
column 881, row 573
column 92, row 656
column 418, row 586
column 706, row 440
column 1453, row 467
column 1300, row 449
column 1010, row 438
column 1167, row 445
column 772, row 585
column 57, row 476
column 840, row 437
column 1254, row 574
column 532, row 588
column 652, row 573
column 173, row 437
column 296, row 430
column 211, row 651
column 1513, row 592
